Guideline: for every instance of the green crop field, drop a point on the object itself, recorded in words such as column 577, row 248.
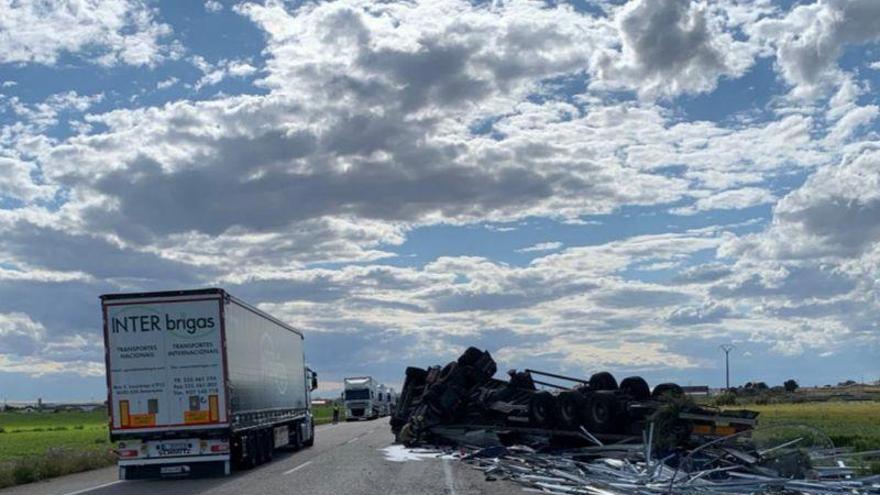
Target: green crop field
column 36, row 446
column 324, row 414
column 848, row 424
column 26, row 434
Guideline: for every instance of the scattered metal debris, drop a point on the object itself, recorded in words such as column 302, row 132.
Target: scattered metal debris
column 728, row 467
column 732, row 465
column 601, row 438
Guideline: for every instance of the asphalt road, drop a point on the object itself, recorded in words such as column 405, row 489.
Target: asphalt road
column 347, row 458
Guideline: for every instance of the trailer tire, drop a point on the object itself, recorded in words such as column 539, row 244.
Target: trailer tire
column 571, row 408
column 260, row 451
column 311, row 440
column 252, row 448
column 470, row 356
column 636, row 387
column 667, row 390
column 543, row 410
column 269, row 443
column 602, row 413
column 416, row 375
column 603, row 381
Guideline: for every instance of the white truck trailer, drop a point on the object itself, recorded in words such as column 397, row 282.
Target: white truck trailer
column 361, row 396
column 198, row 380
column 387, row 399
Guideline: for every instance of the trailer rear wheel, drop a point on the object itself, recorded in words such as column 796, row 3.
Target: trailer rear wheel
column 571, row 408
column 252, row 450
column 602, row 413
column 311, row 439
column 269, row 443
column 259, row 447
column 543, row 409
column 636, row 387
column 667, row 390
column 603, row 381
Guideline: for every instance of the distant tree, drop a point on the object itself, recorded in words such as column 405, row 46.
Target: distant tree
column 725, row 399
column 846, row 383
column 761, row 386
column 790, row 385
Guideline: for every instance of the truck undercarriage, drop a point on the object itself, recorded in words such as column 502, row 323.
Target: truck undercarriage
column 450, row 404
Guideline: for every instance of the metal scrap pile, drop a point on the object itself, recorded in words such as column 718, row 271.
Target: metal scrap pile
column 718, row 468
column 461, row 403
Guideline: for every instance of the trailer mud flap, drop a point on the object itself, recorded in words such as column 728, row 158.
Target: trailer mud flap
column 282, row 436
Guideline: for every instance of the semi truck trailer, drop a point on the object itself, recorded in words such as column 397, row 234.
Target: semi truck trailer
column 199, row 381
column 366, row 398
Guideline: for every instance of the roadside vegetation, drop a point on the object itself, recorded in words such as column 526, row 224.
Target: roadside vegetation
column 847, row 424
column 35, row 446
column 41, row 445
column 324, row 414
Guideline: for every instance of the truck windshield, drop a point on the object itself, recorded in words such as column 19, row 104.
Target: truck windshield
column 361, row 394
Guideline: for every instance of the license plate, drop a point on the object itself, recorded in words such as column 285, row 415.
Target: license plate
column 173, row 448
column 174, row 470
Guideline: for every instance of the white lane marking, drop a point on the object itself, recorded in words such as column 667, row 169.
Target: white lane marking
column 352, row 440
column 447, row 473
column 297, row 468
column 84, row 490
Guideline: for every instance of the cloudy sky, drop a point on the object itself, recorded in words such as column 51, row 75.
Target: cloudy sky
column 575, row 186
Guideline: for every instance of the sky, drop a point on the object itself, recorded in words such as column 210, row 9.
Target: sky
column 574, row 186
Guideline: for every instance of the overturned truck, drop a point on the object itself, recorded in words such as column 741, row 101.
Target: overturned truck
column 444, row 404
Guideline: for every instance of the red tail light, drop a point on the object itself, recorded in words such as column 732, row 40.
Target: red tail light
column 127, row 453
column 220, row 447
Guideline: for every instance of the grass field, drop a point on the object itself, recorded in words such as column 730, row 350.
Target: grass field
column 324, row 414
column 36, row 446
column 848, row 424
column 33, row 434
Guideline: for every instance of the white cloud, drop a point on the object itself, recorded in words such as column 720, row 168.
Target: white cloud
column 633, row 356
column 810, row 38
column 213, row 6
column 836, row 214
column 107, row 31
column 167, row 83
column 215, row 73
column 16, row 181
column 19, row 335
column 45, row 114
column 541, row 246
column 378, row 119
column 734, row 199
column 669, row 47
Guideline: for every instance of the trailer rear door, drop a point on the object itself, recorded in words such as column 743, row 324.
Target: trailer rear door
column 165, row 362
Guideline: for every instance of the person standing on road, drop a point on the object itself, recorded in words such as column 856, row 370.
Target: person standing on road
column 335, row 413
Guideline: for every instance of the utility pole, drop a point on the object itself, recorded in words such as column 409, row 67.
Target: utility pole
column 727, row 348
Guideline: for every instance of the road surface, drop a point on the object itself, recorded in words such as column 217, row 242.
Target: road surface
column 347, row 458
